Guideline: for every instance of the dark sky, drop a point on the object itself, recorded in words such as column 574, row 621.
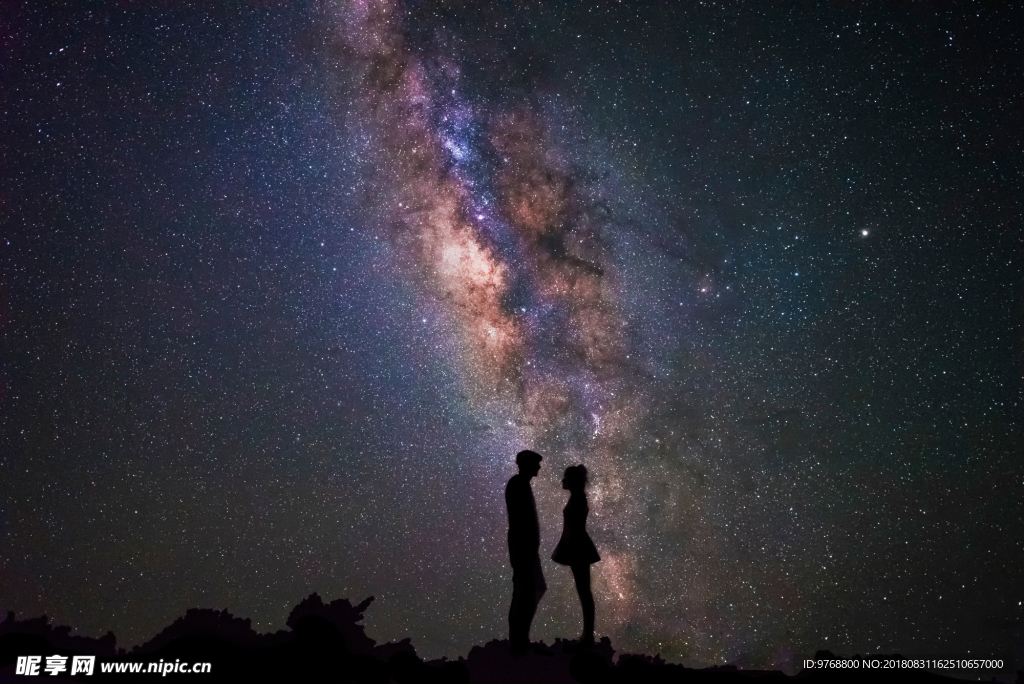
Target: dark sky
column 284, row 287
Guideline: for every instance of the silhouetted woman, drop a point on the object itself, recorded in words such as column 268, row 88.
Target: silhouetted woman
column 575, row 548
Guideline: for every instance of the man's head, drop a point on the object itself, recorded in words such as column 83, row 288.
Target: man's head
column 528, row 462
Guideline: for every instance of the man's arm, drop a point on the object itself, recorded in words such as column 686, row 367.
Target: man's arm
column 514, row 505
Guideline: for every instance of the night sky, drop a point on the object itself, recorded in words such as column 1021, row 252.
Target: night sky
column 284, row 287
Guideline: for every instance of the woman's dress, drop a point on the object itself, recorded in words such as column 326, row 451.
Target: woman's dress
column 575, row 547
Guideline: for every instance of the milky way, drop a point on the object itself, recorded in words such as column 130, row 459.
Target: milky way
column 513, row 250
column 284, row 290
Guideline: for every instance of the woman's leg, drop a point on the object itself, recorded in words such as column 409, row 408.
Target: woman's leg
column 581, row 573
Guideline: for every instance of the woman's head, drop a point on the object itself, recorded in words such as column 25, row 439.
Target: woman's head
column 575, row 477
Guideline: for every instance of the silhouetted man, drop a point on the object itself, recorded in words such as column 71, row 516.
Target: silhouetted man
column 524, row 551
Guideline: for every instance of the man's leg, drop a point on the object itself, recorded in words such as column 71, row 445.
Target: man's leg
column 520, row 613
column 537, row 590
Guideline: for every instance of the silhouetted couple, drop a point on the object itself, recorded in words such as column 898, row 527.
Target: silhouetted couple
column 574, row 549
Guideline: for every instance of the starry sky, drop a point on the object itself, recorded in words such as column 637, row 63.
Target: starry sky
column 285, row 286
